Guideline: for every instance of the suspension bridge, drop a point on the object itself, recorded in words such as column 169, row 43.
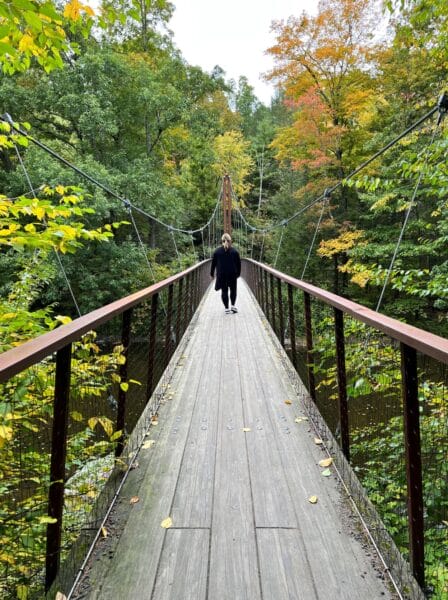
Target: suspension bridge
column 229, row 480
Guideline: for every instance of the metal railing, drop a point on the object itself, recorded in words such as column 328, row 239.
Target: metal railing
column 147, row 326
column 334, row 344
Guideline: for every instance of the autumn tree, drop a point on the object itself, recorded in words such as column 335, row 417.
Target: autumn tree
column 40, row 31
column 232, row 158
column 324, row 64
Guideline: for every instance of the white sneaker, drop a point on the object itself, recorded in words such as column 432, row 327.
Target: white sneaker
column 228, row 311
column 234, row 309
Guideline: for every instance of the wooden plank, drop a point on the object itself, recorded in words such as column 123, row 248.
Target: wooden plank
column 194, row 494
column 183, row 565
column 284, row 572
column 233, row 557
column 132, row 570
column 273, row 506
column 327, row 538
column 266, row 540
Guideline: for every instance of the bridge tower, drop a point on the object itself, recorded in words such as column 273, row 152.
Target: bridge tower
column 227, row 204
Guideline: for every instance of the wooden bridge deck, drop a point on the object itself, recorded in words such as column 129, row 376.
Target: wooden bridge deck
column 234, row 471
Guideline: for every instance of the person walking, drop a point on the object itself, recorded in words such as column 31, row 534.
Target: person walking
column 227, row 263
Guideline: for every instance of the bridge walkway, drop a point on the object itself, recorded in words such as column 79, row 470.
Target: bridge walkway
column 232, row 468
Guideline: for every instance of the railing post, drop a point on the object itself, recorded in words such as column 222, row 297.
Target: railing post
column 342, row 381
column 309, row 345
column 168, row 325
column 187, row 302
column 413, row 461
column 196, row 289
column 292, row 326
column 152, row 346
column 280, row 312
column 260, row 287
column 179, row 311
column 57, row 465
column 266, row 295
column 271, row 281
column 123, row 372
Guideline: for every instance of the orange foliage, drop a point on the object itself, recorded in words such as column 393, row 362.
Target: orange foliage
column 323, row 63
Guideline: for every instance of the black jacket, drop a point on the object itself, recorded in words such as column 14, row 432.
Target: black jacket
column 227, row 264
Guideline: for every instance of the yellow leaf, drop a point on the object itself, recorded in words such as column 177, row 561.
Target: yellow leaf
column 288, row 402
column 22, row 592
column 300, row 419
column 107, row 425
column 245, row 429
column 26, row 43
column 7, row 558
column 312, row 499
column 166, row 523
column 72, row 10
column 5, row 434
column 148, row 444
column 8, row 316
column 60, row 596
column 104, row 532
column 326, row 462
column 318, row 441
column 134, row 500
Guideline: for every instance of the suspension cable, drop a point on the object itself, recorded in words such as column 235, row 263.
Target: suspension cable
column 440, row 106
column 406, row 219
column 279, row 245
column 262, row 246
column 58, row 258
column 175, row 248
column 6, row 118
column 324, row 204
column 194, row 249
column 142, row 245
column 203, row 249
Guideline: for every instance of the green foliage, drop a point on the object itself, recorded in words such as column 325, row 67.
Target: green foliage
column 34, row 29
column 377, row 448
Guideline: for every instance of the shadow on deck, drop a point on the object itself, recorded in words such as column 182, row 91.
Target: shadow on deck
column 233, row 464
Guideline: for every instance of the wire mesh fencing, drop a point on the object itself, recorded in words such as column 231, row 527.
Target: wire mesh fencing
column 76, row 405
column 375, row 391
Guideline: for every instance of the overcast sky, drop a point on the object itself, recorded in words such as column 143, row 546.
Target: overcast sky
column 233, row 34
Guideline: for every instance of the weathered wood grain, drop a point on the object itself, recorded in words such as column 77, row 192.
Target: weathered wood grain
column 243, row 527
column 183, row 565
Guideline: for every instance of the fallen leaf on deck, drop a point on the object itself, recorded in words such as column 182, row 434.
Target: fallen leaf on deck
column 104, row 532
column 246, row 429
column 318, row 441
column 60, row 596
column 166, row 523
column 134, row 500
column 326, row 473
column 301, row 419
column 312, row 499
column 288, row 402
column 148, row 444
column 326, row 462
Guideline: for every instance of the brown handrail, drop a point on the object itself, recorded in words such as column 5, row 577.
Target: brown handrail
column 411, row 340
column 17, row 359
column 423, row 341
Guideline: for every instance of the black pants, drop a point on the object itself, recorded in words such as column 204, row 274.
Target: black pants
column 226, row 284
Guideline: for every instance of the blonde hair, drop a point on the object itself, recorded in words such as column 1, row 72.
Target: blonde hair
column 226, row 240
